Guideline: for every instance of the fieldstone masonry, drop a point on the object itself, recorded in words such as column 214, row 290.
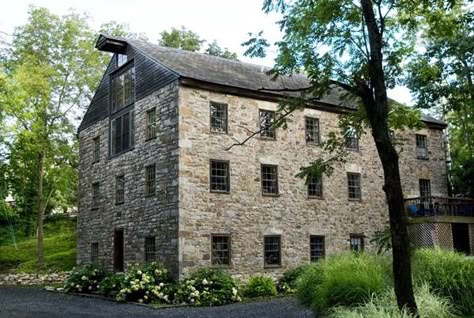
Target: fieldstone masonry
column 184, row 213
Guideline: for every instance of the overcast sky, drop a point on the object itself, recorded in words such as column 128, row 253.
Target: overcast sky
column 227, row 21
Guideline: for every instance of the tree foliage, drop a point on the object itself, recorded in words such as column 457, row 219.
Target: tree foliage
column 190, row 41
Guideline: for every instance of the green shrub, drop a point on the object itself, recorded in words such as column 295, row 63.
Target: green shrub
column 288, row 282
column 430, row 305
column 208, row 287
column 343, row 280
column 146, row 283
column 85, row 279
column 449, row 274
column 111, row 285
column 260, row 286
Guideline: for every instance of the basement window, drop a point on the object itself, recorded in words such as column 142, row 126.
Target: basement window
column 317, row 248
column 272, row 250
column 356, row 242
column 94, row 252
column 220, row 250
column 150, row 249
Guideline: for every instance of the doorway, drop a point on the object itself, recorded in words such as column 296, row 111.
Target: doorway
column 118, row 250
column 461, row 237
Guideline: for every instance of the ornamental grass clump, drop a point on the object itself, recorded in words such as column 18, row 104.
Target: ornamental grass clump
column 449, row 274
column 260, row 286
column 343, row 280
column 208, row 287
column 146, row 283
column 85, row 279
column 430, row 305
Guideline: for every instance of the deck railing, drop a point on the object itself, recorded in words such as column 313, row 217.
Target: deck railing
column 439, row 206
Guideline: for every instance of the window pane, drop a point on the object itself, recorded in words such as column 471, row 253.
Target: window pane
column 315, row 187
column 421, row 147
column 352, row 140
column 117, row 138
column 317, row 248
column 269, row 179
column 94, row 252
column 219, row 176
column 126, row 132
column 96, row 154
column 150, row 249
column 272, row 250
column 95, row 195
column 218, row 117
column 220, row 250
column 425, row 188
column 123, row 89
column 266, row 121
column 151, row 124
column 312, row 130
column 150, row 180
column 353, row 183
column 120, row 189
column 357, row 243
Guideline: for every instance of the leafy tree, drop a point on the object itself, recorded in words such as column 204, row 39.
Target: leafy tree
column 358, row 46
column 189, row 41
column 181, row 39
column 52, row 70
column 215, row 50
column 442, row 75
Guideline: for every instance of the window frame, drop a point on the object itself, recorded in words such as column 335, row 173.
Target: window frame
column 350, row 138
column 270, row 194
column 323, row 251
column 226, row 112
column 94, row 256
column 263, row 132
column 96, row 149
column 321, row 196
column 427, row 184
column 272, row 236
column 149, row 239
column 229, row 250
column 306, row 118
column 419, row 155
column 129, row 66
column 119, row 61
column 362, row 243
column 113, row 132
column 227, row 162
column 150, row 128
column 120, row 191
column 148, row 182
column 359, row 198
column 95, row 200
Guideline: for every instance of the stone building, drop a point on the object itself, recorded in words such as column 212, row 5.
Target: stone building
column 158, row 182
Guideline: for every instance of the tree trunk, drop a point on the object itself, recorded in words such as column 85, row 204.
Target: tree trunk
column 376, row 105
column 40, row 209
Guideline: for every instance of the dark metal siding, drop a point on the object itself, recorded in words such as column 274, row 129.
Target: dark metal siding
column 149, row 76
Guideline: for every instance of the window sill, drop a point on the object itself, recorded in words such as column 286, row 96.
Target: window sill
column 119, row 203
column 151, row 195
column 94, row 208
column 219, row 132
column 355, row 200
column 353, row 150
column 219, row 192
column 270, row 195
column 150, row 138
column 121, row 153
column 272, row 266
column 267, row 138
column 423, row 158
column 310, row 197
column 312, row 143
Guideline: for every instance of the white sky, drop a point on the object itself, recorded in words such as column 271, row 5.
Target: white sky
column 227, row 21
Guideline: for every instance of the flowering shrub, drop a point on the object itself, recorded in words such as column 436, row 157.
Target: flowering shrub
column 288, row 282
column 85, row 279
column 146, row 283
column 260, row 286
column 208, row 287
column 111, row 285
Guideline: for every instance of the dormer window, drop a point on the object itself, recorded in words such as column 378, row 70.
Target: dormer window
column 121, row 59
column 123, row 89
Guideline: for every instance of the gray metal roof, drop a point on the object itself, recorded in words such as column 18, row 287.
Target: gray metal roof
column 216, row 70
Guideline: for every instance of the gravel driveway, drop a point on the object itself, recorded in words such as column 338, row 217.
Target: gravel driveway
column 37, row 303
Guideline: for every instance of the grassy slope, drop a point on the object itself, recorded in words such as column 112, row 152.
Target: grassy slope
column 59, row 250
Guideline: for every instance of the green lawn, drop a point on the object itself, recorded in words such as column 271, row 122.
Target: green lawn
column 59, row 250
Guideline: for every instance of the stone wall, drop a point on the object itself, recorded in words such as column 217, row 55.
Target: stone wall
column 247, row 215
column 139, row 216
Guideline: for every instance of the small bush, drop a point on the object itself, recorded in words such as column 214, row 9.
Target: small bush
column 343, row 280
column 260, row 286
column 111, row 285
column 208, row 287
column 288, row 282
column 146, row 283
column 430, row 305
column 85, row 279
column 449, row 274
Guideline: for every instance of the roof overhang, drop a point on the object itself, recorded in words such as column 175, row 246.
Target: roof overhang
column 107, row 44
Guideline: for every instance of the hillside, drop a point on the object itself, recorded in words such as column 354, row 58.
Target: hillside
column 59, row 245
